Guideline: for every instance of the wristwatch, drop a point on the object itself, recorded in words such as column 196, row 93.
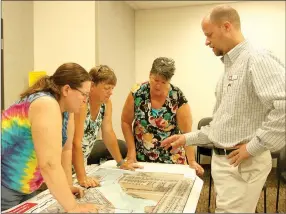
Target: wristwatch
column 119, row 164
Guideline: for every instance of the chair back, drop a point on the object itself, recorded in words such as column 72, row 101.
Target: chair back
column 204, row 122
column 99, row 151
column 281, row 163
column 206, row 149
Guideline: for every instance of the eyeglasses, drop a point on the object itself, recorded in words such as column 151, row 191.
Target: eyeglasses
column 86, row 95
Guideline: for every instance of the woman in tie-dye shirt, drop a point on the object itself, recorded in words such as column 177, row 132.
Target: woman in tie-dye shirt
column 153, row 111
column 37, row 133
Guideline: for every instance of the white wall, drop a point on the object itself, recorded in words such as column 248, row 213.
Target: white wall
column 88, row 33
column 128, row 42
column 177, row 33
column 18, row 47
column 64, row 31
column 117, row 50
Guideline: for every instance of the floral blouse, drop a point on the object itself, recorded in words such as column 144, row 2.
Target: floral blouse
column 151, row 126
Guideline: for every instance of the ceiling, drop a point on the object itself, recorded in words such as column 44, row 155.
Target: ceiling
column 147, row 5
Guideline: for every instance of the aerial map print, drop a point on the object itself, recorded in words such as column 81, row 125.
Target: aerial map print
column 131, row 192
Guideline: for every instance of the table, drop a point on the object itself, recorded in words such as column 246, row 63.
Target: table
column 45, row 199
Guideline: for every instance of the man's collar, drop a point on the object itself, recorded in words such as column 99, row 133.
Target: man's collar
column 232, row 55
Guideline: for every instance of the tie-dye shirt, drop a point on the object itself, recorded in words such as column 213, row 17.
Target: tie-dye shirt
column 20, row 171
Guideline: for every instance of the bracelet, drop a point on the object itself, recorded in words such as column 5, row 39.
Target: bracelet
column 119, row 164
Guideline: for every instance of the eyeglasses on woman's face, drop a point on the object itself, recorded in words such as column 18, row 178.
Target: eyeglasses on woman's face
column 84, row 94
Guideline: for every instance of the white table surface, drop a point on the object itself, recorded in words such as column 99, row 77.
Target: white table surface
column 148, row 167
column 172, row 168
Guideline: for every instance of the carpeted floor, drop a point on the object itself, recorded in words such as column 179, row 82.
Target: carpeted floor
column 271, row 183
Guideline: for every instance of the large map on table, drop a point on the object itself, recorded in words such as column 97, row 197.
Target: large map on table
column 132, row 192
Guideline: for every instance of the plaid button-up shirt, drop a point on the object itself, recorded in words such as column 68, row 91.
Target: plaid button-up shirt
column 250, row 103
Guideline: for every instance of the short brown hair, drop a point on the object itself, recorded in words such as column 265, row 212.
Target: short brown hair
column 71, row 74
column 103, row 73
column 164, row 67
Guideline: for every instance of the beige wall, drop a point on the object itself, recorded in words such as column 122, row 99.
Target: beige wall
column 88, row 33
column 41, row 35
column 177, row 33
column 18, row 47
column 117, row 49
column 64, row 31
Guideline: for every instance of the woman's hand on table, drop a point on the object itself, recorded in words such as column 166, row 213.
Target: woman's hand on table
column 131, row 165
column 84, row 208
column 89, row 182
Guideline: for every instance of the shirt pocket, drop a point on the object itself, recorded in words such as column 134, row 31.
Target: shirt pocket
column 235, row 95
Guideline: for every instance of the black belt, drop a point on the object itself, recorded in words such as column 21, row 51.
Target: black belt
column 219, row 151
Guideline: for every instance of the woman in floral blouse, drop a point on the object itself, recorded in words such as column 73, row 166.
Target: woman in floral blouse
column 157, row 110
